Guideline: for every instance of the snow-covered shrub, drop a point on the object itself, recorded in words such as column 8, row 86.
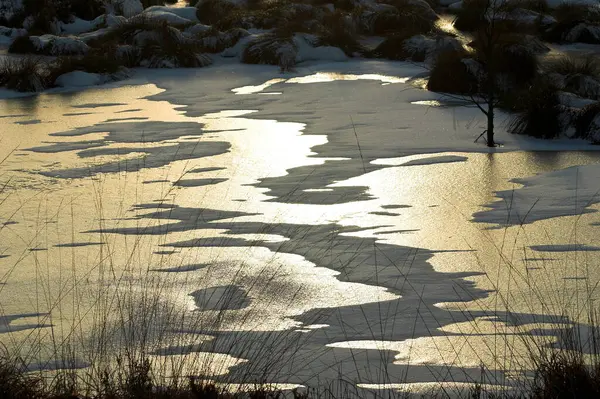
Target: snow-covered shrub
column 517, row 63
column 453, row 73
column 212, row 11
column 213, row 41
column 575, row 23
column 127, row 55
column 588, row 123
column 127, row 31
column 12, row 33
column 59, row 45
column 22, row 45
column 96, row 67
column 48, row 45
column 399, row 47
column 127, row 8
column 339, row 30
column 196, row 30
column 26, row 74
column 538, row 6
column 101, row 62
column 471, row 16
column 384, row 19
column 583, row 86
column 308, row 49
column 271, row 49
column 297, row 17
column 153, row 3
column 169, row 48
column 540, row 111
column 577, row 75
column 169, row 17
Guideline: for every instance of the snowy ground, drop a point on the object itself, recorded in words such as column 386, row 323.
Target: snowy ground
column 328, row 205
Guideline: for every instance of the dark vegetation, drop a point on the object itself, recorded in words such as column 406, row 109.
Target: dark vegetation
column 574, row 23
column 499, row 68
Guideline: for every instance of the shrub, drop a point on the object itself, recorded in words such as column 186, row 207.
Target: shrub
column 213, row 41
column 212, row 11
column 572, row 65
column 398, row 47
column 539, row 6
column 126, row 31
column 578, row 75
column 573, row 32
column 516, row 62
column 575, row 23
column 27, row 74
column 22, row 45
column 15, row 383
column 150, row 3
column 541, row 112
column 86, row 9
column 102, row 62
column 588, row 122
column 575, row 12
column 450, row 74
column 271, row 49
column 401, row 17
column 566, row 374
column 171, row 49
column 471, row 16
column 339, row 30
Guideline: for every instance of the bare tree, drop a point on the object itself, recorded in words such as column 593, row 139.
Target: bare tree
column 495, row 24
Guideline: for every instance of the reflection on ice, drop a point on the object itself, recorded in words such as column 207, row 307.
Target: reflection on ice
column 268, row 206
column 319, row 77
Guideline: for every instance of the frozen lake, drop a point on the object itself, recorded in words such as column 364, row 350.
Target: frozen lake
column 322, row 223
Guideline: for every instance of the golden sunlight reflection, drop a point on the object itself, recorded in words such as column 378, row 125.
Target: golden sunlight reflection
column 319, row 77
column 494, row 351
column 214, row 226
column 430, row 103
column 324, row 77
column 451, row 389
column 256, row 89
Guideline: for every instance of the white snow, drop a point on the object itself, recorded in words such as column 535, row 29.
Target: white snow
column 78, row 25
column 7, row 35
column 112, row 20
column 59, row 45
column 306, row 52
column 578, row 30
column 565, row 192
column 188, row 13
column 421, row 161
column 12, row 32
column 129, row 8
column 196, row 29
column 165, row 16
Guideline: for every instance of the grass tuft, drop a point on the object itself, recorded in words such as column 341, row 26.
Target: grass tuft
column 588, row 123
column 450, row 74
column 22, row 45
column 26, row 74
column 271, row 49
column 540, row 111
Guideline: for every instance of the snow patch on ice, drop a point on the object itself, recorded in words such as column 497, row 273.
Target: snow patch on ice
column 564, row 192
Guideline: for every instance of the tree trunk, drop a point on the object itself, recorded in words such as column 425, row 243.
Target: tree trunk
column 490, row 125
